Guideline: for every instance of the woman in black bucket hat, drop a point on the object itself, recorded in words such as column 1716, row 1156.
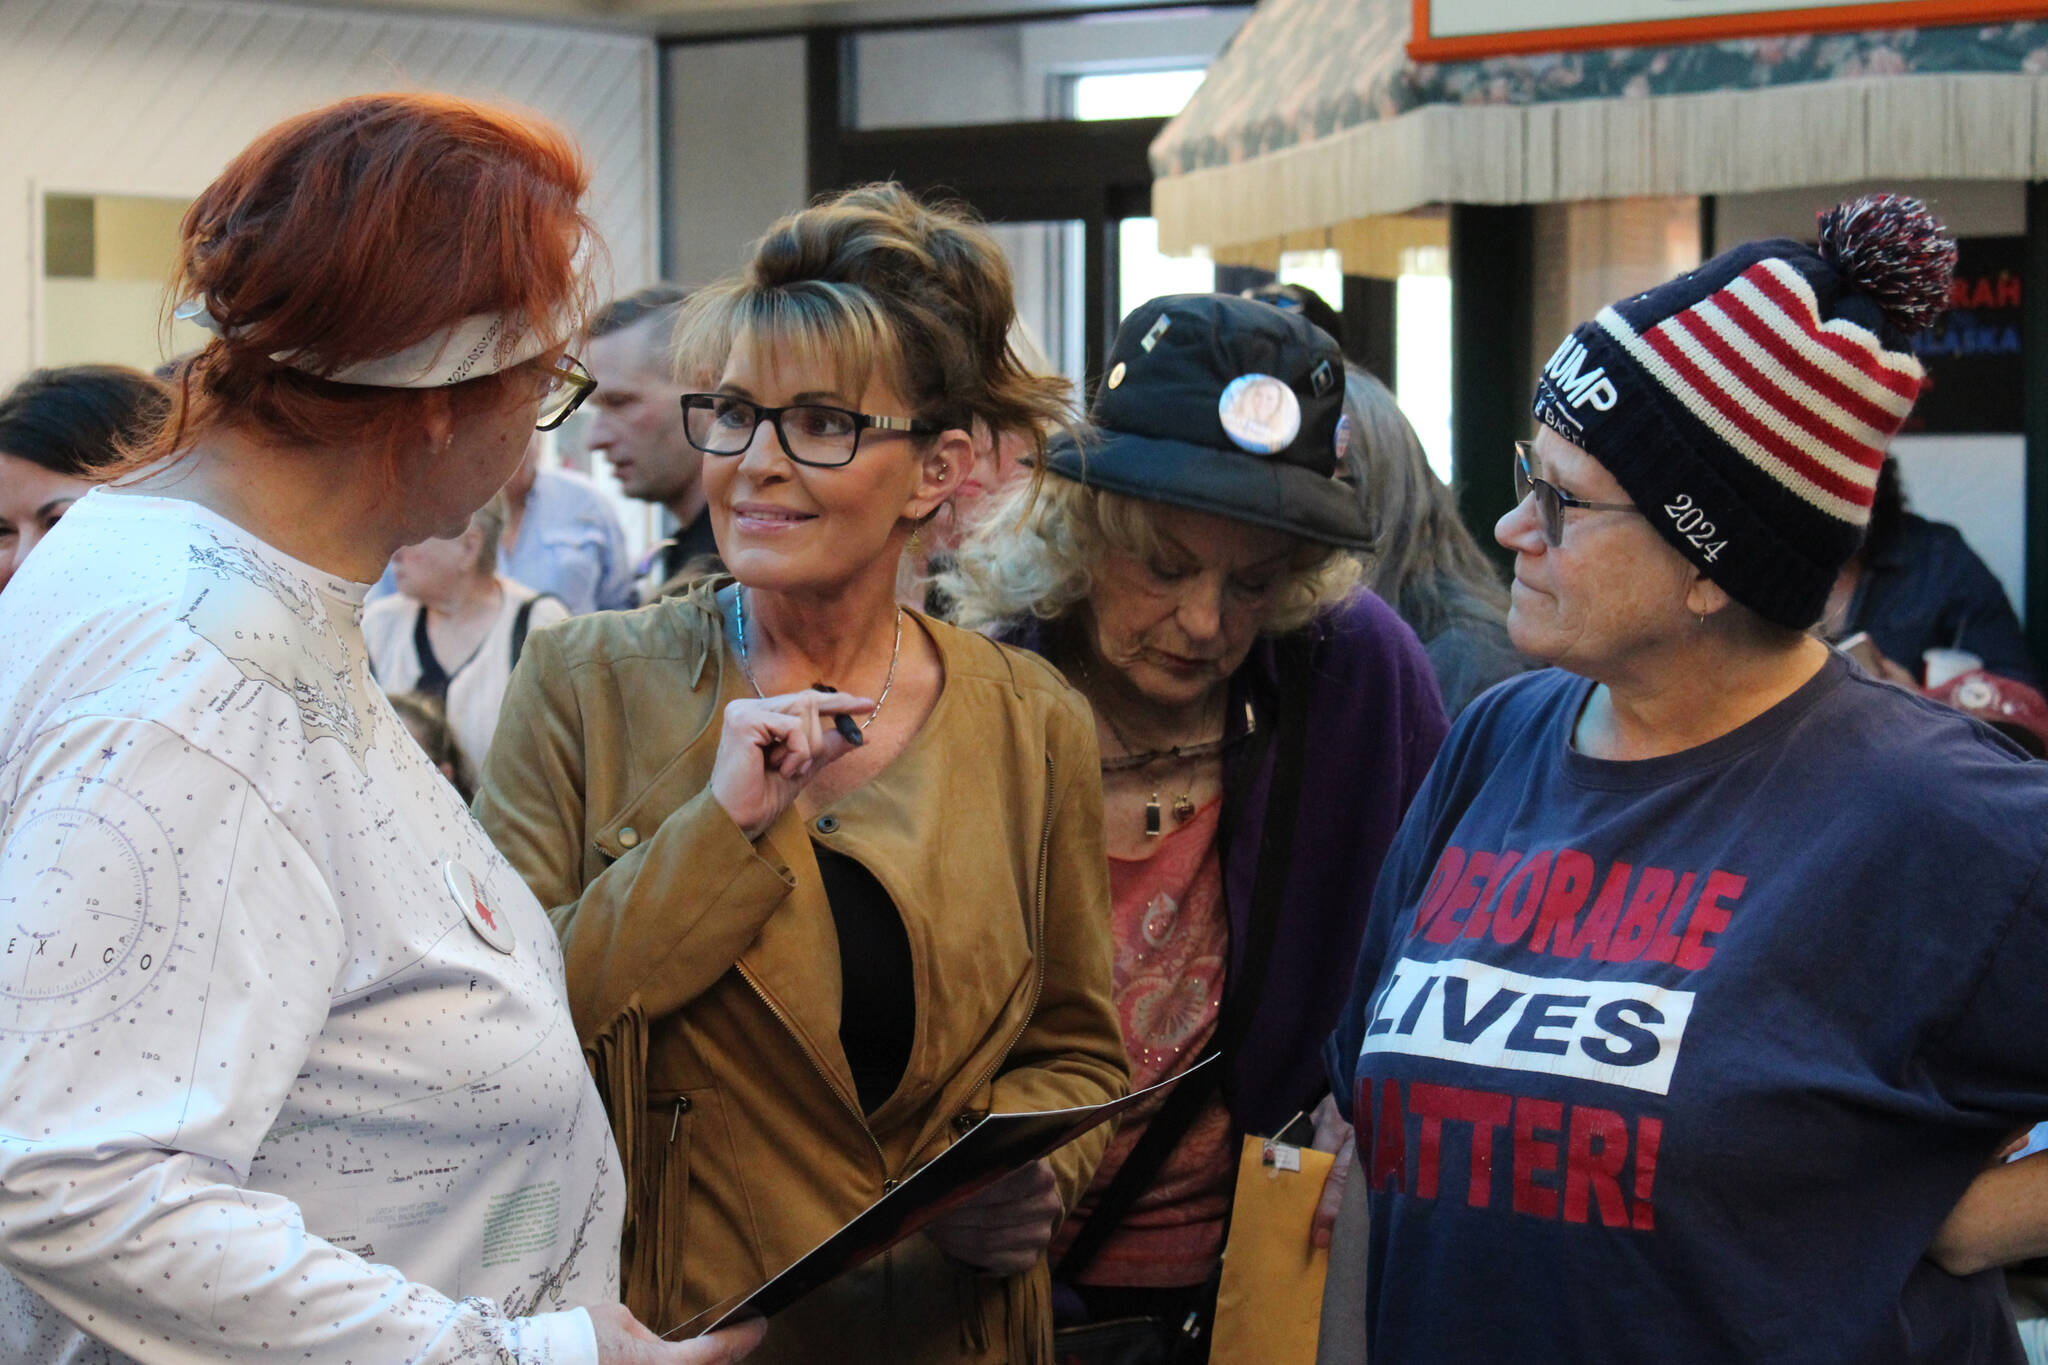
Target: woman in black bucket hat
column 1185, row 565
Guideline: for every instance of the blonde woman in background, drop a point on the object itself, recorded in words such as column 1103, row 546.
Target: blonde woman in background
column 456, row 626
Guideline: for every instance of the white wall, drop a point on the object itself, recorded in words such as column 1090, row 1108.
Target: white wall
column 1977, row 483
column 152, row 97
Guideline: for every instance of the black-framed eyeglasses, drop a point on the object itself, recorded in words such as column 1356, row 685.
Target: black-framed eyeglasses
column 568, row 385
column 1551, row 500
column 815, row 434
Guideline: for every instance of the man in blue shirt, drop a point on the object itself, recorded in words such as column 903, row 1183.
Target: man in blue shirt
column 562, row 537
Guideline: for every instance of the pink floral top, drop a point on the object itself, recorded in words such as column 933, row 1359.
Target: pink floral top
column 1172, row 941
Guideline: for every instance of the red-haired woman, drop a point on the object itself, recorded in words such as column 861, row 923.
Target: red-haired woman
column 285, row 1064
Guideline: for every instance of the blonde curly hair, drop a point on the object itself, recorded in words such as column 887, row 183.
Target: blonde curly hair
column 1035, row 549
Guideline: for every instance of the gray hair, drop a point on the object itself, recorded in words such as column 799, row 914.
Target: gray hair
column 1425, row 564
column 1034, row 551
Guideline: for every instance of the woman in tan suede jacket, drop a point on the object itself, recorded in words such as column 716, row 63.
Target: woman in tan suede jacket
column 802, row 966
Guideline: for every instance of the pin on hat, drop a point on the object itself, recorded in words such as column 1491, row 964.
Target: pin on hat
column 489, row 922
column 1260, row 413
column 1227, row 406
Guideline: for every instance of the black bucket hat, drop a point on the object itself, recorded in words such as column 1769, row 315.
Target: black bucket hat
column 1225, row 405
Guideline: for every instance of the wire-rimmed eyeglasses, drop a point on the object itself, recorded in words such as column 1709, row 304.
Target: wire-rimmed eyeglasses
column 568, row 385
column 1551, row 501
column 815, row 434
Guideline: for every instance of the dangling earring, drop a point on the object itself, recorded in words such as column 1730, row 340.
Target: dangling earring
column 916, row 545
column 1703, row 620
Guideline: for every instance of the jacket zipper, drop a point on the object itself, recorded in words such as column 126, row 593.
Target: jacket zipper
column 1038, row 924
column 881, row 1159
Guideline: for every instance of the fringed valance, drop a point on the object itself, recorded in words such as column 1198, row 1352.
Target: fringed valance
column 1313, row 117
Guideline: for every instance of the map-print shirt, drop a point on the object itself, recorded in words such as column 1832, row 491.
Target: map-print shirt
column 285, row 1064
column 1687, row 1058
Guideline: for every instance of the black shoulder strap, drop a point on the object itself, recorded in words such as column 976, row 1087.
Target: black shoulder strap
column 1177, row 1115
column 520, row 622
column 433, row 678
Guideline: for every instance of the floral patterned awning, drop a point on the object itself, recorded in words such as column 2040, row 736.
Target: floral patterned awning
column 1314, row 115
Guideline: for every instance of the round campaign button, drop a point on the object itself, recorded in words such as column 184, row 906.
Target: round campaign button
column 488, row 920
column 1116, row 374
column 1260, row 413
column 1343, row 441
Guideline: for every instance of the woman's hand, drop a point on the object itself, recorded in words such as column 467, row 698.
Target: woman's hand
column 1333, row 1134
column 621, row 1340
column 1007, row 1227
column 771, row 747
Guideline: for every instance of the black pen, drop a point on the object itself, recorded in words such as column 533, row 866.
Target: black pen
column 847, row 726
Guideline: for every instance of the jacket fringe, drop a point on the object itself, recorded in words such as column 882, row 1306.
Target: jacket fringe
column 618, row 1062
column 1025, row 1301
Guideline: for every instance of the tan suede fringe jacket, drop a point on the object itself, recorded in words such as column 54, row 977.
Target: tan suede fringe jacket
column 703, row 970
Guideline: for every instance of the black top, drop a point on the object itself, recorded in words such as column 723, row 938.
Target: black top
column 692, row 542
column 878, row 999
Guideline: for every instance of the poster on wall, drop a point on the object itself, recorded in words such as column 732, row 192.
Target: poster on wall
column 1461, row 30
column 1973, row 354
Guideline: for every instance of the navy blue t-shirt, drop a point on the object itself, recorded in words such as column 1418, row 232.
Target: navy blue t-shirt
column 1686, row 1059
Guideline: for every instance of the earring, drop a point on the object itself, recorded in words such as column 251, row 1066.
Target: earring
column 916, row 545
column 1703, row 620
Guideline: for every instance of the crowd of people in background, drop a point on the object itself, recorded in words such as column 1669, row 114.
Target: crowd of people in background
column 566, row 945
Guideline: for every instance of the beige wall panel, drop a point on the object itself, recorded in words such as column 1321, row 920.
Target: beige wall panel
column 152, row 97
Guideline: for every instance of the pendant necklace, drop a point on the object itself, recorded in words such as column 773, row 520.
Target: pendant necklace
column 739, row 606
column 1131, row 759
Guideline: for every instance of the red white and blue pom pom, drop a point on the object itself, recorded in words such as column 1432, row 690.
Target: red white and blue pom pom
column 1890, row 247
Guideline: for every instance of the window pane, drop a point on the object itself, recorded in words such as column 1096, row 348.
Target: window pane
column 1046, row 265
column 1145, row 274
column 1422, row 355
column 1135, row 94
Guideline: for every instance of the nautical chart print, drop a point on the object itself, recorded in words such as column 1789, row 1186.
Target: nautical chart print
column 242, row 1016
column 284, row 635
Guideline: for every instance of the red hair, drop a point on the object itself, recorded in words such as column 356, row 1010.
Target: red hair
column 360, row 229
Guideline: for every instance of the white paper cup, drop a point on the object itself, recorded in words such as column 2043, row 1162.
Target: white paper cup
column 1944, row 664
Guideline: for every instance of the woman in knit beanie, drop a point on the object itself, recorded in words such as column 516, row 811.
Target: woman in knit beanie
column 1703, row 976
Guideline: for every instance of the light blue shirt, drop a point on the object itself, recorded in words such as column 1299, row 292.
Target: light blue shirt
column 571, row 545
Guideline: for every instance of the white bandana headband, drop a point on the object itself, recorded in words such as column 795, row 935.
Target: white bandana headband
column 480, row 344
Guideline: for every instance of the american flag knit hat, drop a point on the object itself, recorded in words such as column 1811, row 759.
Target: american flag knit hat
column 1746, row 405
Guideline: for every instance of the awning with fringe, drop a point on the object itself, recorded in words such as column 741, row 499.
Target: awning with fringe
column 1314, row 117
